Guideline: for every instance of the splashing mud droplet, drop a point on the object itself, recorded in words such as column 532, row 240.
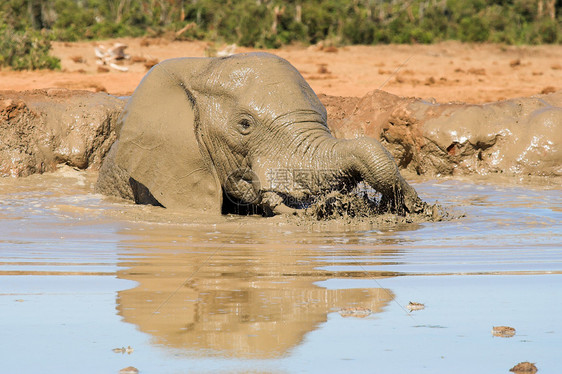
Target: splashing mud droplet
column 359, row 207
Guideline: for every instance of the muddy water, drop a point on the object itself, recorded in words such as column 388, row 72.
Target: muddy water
column 81, row 275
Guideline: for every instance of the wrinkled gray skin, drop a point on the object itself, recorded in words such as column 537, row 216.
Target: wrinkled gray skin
column 245, row 128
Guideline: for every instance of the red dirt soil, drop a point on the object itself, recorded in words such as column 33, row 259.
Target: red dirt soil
column 449, row 71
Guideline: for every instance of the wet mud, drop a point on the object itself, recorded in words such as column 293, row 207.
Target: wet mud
column 362, row 206
column 43, row 128
column 516, row 137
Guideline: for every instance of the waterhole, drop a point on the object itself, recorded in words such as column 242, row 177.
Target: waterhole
column 82, row 276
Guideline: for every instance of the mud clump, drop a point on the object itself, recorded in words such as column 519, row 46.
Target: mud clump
column 512, row 137
column 357, row 206
column 129, row 370
column 44, row 128
column 503, row 331
column 343, row 205
column 524, row 368
column 415, row 306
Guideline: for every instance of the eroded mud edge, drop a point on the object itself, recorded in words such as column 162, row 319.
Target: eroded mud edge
column 41, row 129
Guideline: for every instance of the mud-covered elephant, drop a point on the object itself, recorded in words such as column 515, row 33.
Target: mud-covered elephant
column 199, row 133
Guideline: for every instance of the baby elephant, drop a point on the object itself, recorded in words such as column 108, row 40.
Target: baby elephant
column 202, row 133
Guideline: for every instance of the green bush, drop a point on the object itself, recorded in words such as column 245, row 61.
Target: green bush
column 250, row 22
column 25, row 50
column 473, row 29
column 546, row 31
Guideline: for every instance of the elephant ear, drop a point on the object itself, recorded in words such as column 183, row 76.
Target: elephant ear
column 158, row 140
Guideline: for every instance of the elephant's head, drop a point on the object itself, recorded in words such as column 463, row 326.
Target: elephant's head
column 247, row 128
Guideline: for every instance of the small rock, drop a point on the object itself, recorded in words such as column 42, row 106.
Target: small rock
column 429, row 81
column 123, row 350
column 129, row 370
column 524, row 367
column 150, row 63
column 503, row 331
column 477, row 71
column 323, row 69
column 415, row 306
column 78, row 59
column 548, row 90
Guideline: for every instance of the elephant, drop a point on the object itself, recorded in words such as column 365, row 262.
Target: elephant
column 245, row 130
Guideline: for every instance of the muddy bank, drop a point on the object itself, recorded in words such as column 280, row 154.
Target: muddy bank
column 41, row 129
column 518, row 136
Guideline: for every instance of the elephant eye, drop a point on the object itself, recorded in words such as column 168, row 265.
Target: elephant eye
column 244, row 126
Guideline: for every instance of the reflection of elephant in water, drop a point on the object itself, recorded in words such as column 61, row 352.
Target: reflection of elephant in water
column 260, row 322
column 246, row 127
column 258, row 300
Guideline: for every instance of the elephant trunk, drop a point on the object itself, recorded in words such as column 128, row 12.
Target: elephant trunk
column 372, row 163
column 324, row 163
